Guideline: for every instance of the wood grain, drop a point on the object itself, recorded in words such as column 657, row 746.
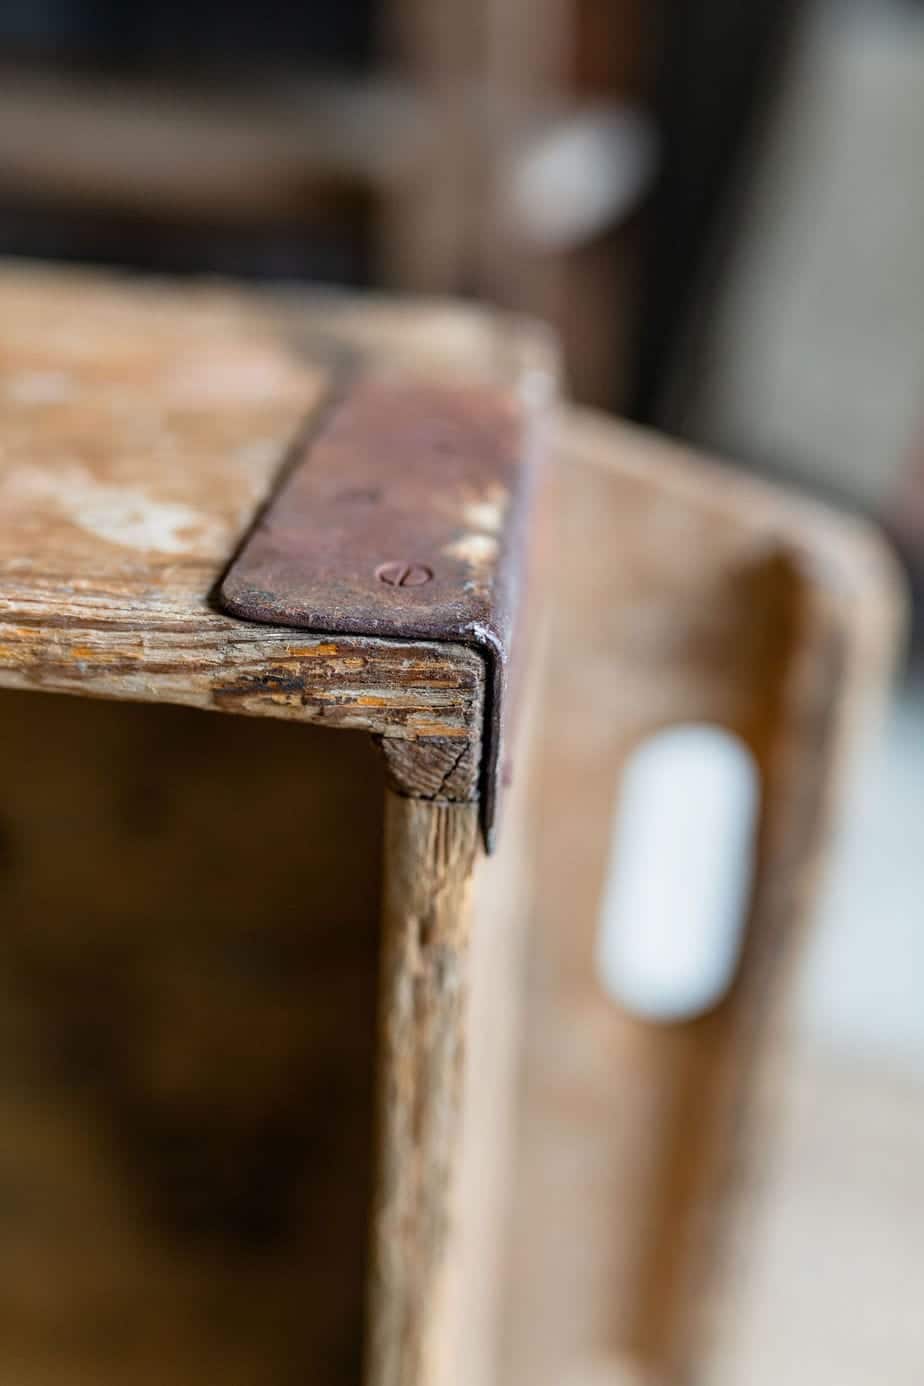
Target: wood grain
column 430, row 852
column 475, row 1307
column 685, row 592
column 143, row 427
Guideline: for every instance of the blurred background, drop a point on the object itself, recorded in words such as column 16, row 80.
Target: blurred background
column 721, row 209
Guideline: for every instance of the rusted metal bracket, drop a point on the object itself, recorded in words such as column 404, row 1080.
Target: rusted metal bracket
column 406, row 517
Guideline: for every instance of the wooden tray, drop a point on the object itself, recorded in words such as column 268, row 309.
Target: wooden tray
column 200, row 912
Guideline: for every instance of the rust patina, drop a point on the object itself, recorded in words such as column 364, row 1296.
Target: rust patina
column 405, row 516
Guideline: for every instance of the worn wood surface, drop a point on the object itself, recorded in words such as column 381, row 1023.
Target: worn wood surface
column 684, row 592
column 455, row 927
column 143, row 427
column 475, row 1308
column 449, row 1062
column 430, row 852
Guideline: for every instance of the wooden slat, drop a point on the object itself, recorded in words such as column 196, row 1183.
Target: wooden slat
column 275, row 148
column 449, row 1062
column 684, row 593
column 430, row 852
column 143, row 427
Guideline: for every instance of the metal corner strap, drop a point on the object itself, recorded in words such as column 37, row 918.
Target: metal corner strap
column 406, row 517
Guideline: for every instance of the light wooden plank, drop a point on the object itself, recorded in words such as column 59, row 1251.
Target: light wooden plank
column 430, row 853
column 143, row 425
column 684, row 592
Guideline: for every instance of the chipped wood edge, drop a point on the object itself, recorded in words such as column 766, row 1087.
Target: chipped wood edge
column 140, row 625
column 423, row 701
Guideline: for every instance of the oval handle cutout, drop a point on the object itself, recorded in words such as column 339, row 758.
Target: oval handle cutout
column 680, row 872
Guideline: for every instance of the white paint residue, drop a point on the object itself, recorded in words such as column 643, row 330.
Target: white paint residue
column 486, row 512
column 130, row 519
column 254, row 377
column 474, row 549
column 123, row 515
column 39, row 387
column 485, row 515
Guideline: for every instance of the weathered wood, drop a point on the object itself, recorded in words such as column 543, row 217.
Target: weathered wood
column 448, row 1070
column 430, row 853
column 143, row 428
column 684, row 592
column 438, row 768
column 473, row 1324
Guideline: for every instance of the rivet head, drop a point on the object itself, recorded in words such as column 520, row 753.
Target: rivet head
column 397, row 573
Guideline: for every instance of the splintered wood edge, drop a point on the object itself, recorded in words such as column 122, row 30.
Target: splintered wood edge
column 87, row 611
column 424, row 701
